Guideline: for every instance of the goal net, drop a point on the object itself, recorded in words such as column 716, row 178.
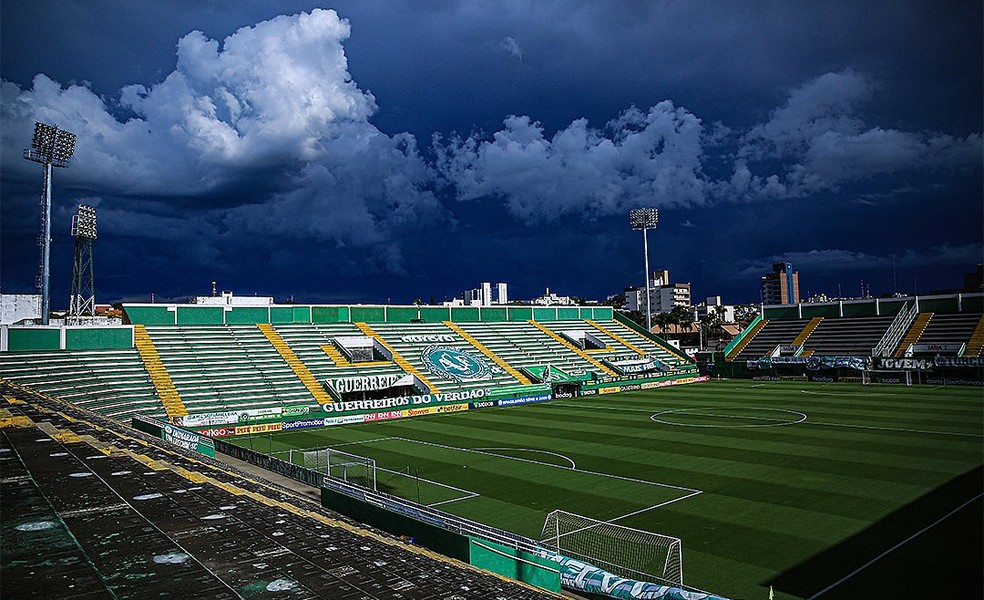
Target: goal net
column 620, row 550
column 353, row 468
column 893, row 376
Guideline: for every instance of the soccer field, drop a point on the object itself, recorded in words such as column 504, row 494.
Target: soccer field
column 839, row 490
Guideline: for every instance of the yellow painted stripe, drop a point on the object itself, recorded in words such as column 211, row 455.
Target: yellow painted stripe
column 295, row 364
column 159, row 376
column 807, row 331
column 491, row 355
column 397, row 357
column 616, row 337
column 744, row 342
column 573, row 348
column 915, row 332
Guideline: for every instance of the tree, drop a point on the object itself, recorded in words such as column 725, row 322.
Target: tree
column 681, row 315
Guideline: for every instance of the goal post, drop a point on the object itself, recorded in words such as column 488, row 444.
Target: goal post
column 889, row 376
column 621, row 550
column 352, row 468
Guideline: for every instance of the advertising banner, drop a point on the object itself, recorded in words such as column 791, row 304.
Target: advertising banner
column 405, row 402
column 368, row 383
column 229, row 417
column 524, row 400
column 262, row 428
column 188, row 439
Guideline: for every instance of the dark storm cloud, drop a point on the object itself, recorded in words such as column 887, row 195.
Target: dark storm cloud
column 288, row 145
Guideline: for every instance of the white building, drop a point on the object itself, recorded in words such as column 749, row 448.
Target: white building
column 713, row 305
column 663, row 295
column 549, row 299
column 482, row 296
column 227, row 298
column 15, row 308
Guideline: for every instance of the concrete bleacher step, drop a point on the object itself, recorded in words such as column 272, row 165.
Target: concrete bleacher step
column 159, row 376
column 748, row 338
column 914, row 333
column 573, row 348
column 397, row 357
column 976, row 343
column 295, row 364
column 488, row 353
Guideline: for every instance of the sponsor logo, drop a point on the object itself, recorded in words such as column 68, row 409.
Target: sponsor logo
column 960, row 361
column 484, row 404
column 217, row 432
column 383, row 416
column 180, row 437
column 296, row 411
column 417, row 412
column 427, row 339
column 303, row 424
column 452, row 408
column 589, row 392
column 524, row 400
column 564, row 395
column 453, row 363
column 264, row 428
column 609, row 390
column 948, row 381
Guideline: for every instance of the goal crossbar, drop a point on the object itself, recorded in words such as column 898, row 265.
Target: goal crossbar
column 621, row 550
column 353, row 468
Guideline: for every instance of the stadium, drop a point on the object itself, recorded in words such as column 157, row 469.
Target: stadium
column 328, row 433
column 830, row 450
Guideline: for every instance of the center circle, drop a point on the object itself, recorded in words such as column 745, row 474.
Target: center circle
column 717, row 417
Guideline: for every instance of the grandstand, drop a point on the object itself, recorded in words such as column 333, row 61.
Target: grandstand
column 871, row 331
column 249, row 366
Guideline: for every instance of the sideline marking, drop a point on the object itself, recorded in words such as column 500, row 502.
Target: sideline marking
column 558, row 455
column 690, row 411
column 902, row 429
column 894, row 548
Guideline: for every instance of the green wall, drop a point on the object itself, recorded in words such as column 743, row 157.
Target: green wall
column 368, row 314
column 515, row 313
column 464, row 314
column 514, row 564
column 201, row 315
column 98, row 338
column 247, row 315
column 567, row 313
column 34, row 338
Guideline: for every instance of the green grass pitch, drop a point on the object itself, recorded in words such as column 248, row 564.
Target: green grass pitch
column 873, row 490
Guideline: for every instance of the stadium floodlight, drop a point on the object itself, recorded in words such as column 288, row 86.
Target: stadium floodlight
column 645, row 219
column 84, row 222
column 50, row 147
column 82, row 303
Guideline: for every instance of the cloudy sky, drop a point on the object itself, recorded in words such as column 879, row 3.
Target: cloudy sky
column 373, row 151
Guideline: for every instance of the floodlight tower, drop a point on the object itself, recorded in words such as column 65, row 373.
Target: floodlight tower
column 83, row 301
column 645, row 219
column 51, row 147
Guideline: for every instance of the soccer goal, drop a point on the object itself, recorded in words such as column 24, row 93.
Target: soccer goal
column 620, row 550
column 353, row 468
column 893, row 376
